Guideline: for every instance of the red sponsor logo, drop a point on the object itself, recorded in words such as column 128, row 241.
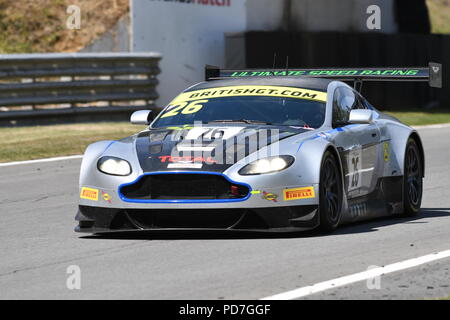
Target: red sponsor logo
column 187, row 159
column 270, row 196
column 219, row 3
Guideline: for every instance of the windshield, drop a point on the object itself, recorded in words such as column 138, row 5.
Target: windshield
column 249, row 104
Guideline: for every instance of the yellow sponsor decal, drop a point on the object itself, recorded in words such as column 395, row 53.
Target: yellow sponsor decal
column 89, row 194
column 106, row 197
column 184, row 107
column 387, row 151
column 193, row 101
column 298, row 193
column 248, row 91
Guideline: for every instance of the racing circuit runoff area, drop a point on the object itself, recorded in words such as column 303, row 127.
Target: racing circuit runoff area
column 39, row 247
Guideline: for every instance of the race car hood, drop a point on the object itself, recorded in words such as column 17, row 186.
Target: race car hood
column 205, row 148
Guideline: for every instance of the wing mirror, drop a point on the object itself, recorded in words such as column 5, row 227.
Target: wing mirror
column 142, row 117
column 361, row 116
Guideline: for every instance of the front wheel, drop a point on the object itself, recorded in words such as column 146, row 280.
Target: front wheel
column 412, row 180
column 330, row 193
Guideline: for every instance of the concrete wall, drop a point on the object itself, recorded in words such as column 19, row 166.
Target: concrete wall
column 190, row 33
column 269, row 15
column 117, row 39
column 317, row 15
column 265, row 15
column 342, row 15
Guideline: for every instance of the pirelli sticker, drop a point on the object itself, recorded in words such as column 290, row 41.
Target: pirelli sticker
column 251, row 91
column 298, row 193
column 89, row 194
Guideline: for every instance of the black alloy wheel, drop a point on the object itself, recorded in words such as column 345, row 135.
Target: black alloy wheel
column 412, row 179
column 330, row 193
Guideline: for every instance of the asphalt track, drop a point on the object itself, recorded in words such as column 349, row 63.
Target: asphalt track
column 37, row 244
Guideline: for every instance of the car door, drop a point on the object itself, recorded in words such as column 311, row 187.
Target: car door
column 358, row 144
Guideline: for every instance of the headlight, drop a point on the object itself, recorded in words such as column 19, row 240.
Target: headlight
column 114, row 166
column 267, row 165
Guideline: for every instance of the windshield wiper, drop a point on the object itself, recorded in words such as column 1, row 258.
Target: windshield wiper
column 242, row 120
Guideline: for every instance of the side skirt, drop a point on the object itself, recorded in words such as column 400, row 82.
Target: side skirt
column 385, row 200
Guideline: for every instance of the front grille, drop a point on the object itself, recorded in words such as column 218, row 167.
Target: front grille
column 182, row 186
column 203, row 218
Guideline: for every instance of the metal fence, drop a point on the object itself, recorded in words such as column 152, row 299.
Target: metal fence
column 59, row 86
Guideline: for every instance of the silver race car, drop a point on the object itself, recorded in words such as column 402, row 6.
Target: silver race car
column 266, row 150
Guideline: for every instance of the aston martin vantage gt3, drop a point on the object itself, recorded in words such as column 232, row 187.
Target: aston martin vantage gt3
column 258, row 150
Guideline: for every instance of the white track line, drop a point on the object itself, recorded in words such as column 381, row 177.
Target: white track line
column 15, row 163
column 365, row 275
column 433, row 126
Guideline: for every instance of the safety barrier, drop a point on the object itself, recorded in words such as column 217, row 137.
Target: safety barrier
column 57, row 86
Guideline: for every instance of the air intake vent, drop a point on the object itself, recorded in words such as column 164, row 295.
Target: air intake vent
column 182, row 186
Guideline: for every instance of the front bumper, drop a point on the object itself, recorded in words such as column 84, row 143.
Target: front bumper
column 105, row 220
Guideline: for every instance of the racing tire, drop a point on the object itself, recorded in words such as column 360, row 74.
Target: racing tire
column 330, row 194
column 412, row 180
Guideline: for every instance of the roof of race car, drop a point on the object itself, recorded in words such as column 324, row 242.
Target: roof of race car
column 306, row 83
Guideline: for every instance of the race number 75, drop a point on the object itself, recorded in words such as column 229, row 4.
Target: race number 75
column 184, row 108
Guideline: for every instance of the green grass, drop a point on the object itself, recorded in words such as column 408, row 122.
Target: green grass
column 439, row 12
column 27, row 143
column 420, row 117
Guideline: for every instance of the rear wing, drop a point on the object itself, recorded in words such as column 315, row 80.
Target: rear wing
column 431, row 74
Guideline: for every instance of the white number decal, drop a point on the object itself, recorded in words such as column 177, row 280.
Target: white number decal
column 354, row 169
column 209, row 133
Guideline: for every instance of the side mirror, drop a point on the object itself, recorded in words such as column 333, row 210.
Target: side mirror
column 361, row 116
column 142, row 117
